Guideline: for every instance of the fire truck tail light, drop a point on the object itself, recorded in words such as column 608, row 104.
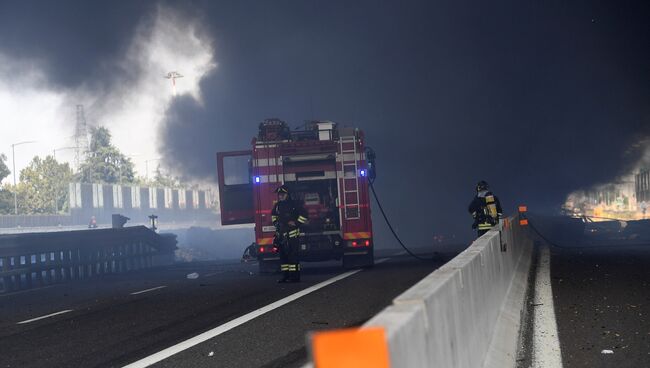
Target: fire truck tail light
column 359, row 243
column 262, row 249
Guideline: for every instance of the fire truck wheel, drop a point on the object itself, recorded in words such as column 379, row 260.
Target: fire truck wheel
column 268, row 266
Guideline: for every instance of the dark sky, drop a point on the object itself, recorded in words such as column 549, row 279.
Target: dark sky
column 539, row 98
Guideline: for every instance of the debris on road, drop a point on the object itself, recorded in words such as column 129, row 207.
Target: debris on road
column 607, row 352
column 211, row 354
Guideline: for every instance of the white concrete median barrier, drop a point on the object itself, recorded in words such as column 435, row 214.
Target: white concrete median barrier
column 467, row 313
column 406, row 330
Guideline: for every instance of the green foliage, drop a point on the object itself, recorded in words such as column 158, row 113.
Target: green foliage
column 43, row 186
column 4, row 170
column 100, row 137
column 6, row 197
column 6, row 200
column 163, row 180
column 105, row 163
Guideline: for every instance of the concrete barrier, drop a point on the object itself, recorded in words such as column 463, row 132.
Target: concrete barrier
column 467, row 313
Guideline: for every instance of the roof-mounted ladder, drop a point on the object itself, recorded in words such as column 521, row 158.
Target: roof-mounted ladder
column 351, row 211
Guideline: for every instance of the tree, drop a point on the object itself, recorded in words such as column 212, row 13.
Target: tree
column 163, row 180
column 6, row 200
column 4, row 170
column 6, row 197
column 43, row 186
column 105, row 163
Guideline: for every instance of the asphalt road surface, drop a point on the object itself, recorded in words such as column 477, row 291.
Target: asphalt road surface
column 602, row 305
column 121, row 319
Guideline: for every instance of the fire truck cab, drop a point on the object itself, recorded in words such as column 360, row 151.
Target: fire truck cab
column 327, row 171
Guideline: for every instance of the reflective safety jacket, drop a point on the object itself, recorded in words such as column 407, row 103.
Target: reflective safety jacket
column 486, row 210
column 283, row 213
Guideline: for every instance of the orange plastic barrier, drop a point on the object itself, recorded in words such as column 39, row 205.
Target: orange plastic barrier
column 350, row 348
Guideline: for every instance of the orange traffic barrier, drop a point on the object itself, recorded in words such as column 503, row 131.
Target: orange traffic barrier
column 350, row 348
column 523, row 209
column 523, row 222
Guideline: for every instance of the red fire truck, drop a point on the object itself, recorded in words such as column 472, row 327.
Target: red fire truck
column 326, row 168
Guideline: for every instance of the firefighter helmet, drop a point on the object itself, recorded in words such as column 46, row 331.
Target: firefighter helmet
column 482, row 185
column 282, row 189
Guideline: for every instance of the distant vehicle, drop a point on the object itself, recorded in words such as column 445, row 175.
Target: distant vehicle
column 326, row 168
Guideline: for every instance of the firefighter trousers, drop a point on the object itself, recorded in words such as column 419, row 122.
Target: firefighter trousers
column 289, row 264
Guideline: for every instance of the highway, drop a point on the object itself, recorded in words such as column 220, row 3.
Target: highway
column 588, row 305
column 121, row 319
column 600, row 287
column 602, row 304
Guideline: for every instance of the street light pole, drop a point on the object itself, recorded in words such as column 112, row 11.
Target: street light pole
column 61, row 149
column 13, row 159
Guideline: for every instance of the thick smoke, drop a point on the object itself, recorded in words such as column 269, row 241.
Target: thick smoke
column 121, row 85
column 75, row 41
column 538, row 98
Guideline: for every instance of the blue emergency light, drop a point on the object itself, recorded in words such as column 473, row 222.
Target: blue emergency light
column 257, row 180
column 362, row 172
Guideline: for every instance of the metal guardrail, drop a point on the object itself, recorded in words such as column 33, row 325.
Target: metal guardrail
column 38, row 259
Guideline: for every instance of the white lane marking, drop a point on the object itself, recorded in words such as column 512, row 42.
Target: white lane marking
column 148, row 290
column 164, row 354
column 546, row 344
column 381, row 260
column 399, row 253
column 43, row 317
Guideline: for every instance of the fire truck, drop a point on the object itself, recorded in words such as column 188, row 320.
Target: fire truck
column 327, row 168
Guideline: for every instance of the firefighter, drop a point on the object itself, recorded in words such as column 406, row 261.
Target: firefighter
column 288, row 216
column 485, row 208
